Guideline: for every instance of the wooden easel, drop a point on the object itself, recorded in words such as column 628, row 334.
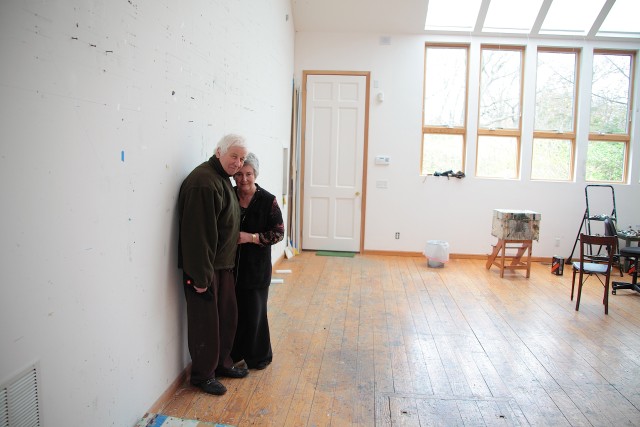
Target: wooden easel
column 499, row 256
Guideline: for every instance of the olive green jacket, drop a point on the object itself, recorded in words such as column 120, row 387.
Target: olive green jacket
column 209, row 223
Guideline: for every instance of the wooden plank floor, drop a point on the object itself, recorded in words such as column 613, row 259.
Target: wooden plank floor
column 388, row 341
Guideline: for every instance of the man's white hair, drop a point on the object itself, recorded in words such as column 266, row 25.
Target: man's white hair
column 230, row 140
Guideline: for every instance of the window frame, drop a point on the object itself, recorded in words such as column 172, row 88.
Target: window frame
column 564, row 135
column 516, row 133
column 616, row 137
column 443, row 129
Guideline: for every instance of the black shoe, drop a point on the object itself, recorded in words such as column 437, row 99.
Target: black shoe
column 232, row 372
column 212, row 386
column 260, row 365
column 241, row 364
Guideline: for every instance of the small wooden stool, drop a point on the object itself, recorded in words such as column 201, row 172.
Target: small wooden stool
column 499, row 256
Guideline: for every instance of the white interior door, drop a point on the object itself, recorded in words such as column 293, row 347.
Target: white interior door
column 335, row 112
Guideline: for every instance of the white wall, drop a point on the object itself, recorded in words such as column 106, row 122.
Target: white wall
column 89, row 287
column 458, row 211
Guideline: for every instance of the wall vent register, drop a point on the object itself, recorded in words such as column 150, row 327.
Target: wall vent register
column 19, row 400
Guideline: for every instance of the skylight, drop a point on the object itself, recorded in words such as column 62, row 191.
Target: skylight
column 623, row 19
column 570, row 18
column 567, row 17
column 452, row 15
column 511, row 16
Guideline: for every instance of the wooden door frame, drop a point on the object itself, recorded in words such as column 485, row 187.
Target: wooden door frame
column 303, row 131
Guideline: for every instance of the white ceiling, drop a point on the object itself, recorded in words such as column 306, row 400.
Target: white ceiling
column 409, row 17
column 379, row 16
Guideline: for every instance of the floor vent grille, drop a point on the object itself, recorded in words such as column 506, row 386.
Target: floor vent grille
column 19, row 401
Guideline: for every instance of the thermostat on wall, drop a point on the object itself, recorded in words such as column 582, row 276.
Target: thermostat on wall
column 382, row 160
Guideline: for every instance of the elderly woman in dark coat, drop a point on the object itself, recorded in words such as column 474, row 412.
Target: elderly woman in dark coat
column 261, row 226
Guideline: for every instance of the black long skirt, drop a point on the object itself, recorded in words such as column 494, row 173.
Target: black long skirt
column 252, row 341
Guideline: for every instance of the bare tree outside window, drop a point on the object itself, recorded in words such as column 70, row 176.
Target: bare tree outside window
column 610, row 90
column 500, row 88
column 555, row 91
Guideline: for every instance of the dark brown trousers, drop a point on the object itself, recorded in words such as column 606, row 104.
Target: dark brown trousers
column 212, row 318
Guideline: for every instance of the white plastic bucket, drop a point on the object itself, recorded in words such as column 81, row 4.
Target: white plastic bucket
column 437, row 253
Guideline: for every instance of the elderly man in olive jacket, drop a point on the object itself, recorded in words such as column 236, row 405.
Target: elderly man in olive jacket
column 209, row 225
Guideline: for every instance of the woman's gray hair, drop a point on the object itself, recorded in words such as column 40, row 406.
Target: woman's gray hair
column 252, row 161
column 231, row 140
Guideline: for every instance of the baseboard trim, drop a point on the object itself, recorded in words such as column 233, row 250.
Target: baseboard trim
column 451, row 256
column 281, row 258
column 170, row 391
column 391, row 253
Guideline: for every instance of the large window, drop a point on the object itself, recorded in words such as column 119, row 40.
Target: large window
column 445, row 106
column 609, row 129
column 554, row 122
column 499, row 122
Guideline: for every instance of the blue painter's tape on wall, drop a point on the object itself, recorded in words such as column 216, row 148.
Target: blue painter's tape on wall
column 122, row 155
